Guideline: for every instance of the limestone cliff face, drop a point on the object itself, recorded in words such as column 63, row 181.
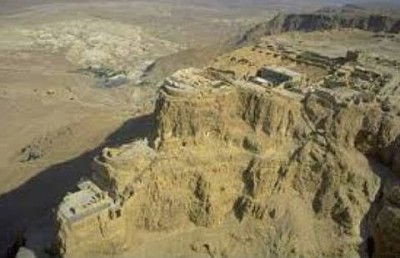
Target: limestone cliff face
column 300, row 171
column 325, row 19
column 241, row 115
column 305, row 170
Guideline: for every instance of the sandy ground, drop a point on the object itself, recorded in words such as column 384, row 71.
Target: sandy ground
column 41, row 100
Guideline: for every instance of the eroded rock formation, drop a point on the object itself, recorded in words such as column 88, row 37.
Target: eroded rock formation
column 346, row 17
column 301, row 171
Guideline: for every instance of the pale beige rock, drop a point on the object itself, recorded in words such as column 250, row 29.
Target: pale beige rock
column 292, row 165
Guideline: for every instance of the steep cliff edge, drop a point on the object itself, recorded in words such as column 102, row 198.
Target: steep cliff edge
column 326, row 19
column 268, row 171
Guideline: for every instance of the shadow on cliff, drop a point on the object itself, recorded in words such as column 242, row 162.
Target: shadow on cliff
column 367, row 248
column 37, row 197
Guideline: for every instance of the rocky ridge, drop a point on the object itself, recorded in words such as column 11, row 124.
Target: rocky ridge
column 295, row 169
column 347, row 17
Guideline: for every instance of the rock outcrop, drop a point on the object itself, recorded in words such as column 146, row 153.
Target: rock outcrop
column 386, row 226
column 325, row 19
column 301, row 171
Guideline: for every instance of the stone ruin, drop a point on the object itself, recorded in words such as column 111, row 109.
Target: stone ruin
column 81, row 212
column 276, row 76
column 347, row 79
column 89, row 200
column 94, row 214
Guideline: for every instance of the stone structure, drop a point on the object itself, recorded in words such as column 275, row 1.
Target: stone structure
column 91, row 220
column 309, row 57
column 89, row 215
column 89, row 200
column 278, row 75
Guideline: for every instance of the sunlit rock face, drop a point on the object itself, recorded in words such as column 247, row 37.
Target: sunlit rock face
column 300, row 168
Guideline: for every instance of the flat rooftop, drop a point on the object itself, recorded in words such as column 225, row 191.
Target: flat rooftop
column 90, row 199
column 281, row 70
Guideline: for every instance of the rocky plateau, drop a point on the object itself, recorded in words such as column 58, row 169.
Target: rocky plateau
column 275, row 148
column 310, row 174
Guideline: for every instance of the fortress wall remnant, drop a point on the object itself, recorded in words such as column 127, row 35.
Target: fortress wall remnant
column 278, row 75
column 93, row 234
column 89, row 216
